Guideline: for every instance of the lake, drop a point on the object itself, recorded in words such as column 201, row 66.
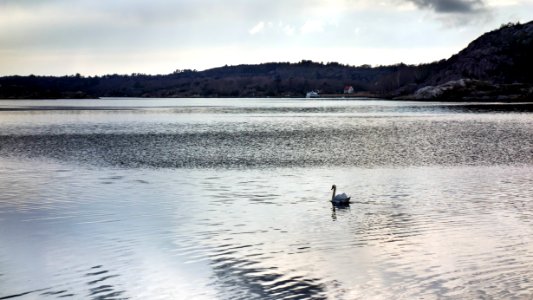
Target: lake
column 230, row 199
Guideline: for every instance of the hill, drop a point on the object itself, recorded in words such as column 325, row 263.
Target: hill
column 495, row 66
column 269, row 79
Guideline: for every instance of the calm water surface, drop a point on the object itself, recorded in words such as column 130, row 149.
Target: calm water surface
column 228, row 199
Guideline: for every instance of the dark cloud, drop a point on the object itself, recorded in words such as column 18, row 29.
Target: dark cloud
column 452, row 6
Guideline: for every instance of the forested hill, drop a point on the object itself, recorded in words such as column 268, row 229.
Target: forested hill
column 269, row 79
column 496, row 65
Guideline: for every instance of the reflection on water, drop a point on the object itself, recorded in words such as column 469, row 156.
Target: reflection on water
column 93, row 205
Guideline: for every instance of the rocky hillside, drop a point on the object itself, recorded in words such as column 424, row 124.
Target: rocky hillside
column 501, row 56
column 496, row 66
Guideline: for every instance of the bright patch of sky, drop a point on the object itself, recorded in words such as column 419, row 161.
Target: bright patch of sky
column 56, row 37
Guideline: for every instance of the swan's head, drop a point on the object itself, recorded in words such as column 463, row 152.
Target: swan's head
column 333, row 187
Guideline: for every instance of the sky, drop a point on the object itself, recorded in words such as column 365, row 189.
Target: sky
column 97, row 37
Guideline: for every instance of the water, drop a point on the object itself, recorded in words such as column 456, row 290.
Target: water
column 228, row 199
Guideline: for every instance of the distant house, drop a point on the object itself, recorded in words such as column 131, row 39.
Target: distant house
column 312, row 94
column 348, row 89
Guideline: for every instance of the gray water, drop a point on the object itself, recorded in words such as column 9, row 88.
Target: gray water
column 228, row 199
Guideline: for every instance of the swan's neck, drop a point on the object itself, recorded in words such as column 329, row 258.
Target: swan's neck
column 334, row 191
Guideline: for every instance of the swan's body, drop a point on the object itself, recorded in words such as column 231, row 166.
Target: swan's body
column 340, row 198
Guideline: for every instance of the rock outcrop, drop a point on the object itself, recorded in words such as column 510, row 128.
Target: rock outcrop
column 474, row 90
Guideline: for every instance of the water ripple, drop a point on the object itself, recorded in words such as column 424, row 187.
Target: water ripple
column 392, row 145
column 231, row 203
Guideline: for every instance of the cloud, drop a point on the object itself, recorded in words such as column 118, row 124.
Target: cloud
column 452, row 6
column 312, row 26
column 257, row 28
column 288, row 30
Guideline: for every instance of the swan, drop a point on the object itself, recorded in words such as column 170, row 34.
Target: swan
column 340, row 198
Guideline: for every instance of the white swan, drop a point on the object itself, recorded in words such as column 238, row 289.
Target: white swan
column 340, row 198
